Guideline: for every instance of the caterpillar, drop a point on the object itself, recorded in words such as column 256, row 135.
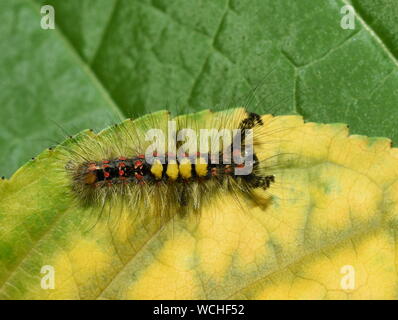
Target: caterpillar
column 121, row 167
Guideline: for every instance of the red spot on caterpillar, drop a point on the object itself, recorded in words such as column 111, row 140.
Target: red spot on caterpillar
column 138, row 176
column 121, row 172
column 122, row 164
column 105, row 166
column 141, row 156
column 137, row 164
column 122, row 158
column 106, row 174
column 105, row 161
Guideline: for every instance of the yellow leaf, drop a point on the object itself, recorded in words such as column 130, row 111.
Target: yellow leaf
column 329, row 231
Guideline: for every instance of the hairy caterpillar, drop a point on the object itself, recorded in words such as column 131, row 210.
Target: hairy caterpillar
column 118, row 168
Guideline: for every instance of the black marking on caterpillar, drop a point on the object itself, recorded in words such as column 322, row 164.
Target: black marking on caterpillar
column 251, row 121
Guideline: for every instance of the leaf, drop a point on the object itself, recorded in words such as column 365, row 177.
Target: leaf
column 118, row 57
column 336, row 207
column 44, row 85
column 110, row 57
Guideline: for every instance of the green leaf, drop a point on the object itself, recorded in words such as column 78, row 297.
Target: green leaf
column 44, row 85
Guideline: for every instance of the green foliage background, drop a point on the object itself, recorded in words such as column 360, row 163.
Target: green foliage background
column 108, row 59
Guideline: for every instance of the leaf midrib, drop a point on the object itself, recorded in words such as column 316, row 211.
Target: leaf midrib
column 374, row 35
